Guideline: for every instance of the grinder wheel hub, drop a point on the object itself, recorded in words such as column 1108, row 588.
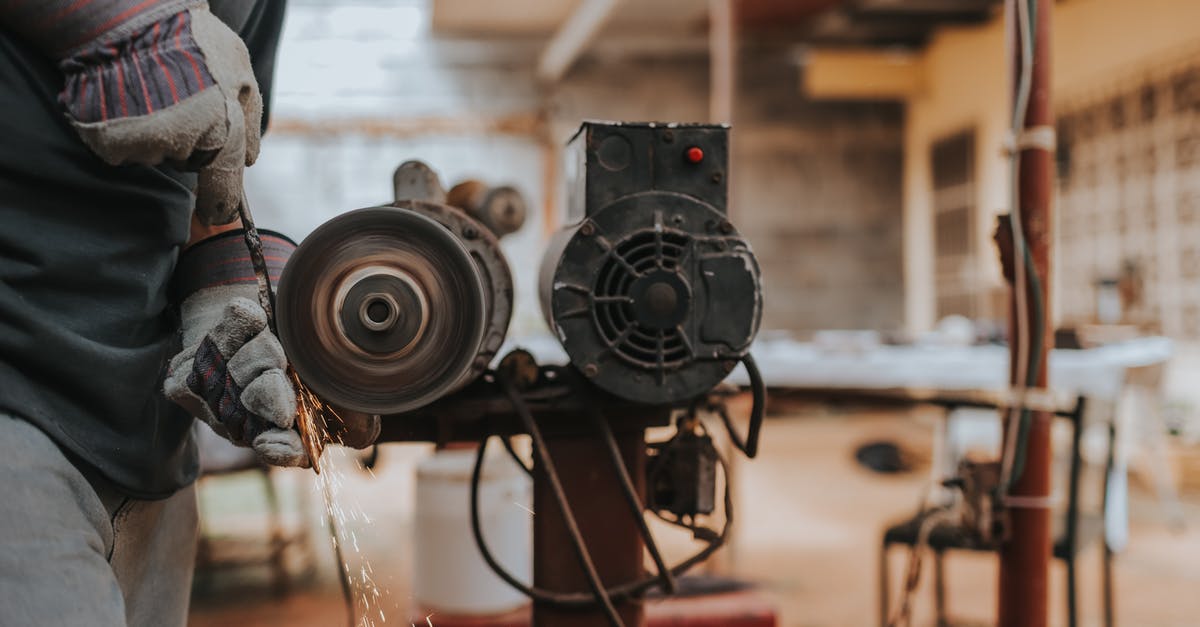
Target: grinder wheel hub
column 382, row 311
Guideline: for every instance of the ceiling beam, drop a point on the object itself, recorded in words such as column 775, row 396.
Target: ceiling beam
column 572, row 38
column 924, row 6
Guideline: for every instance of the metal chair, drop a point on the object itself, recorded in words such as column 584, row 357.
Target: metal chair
column 1074, row 532
column 218, row 458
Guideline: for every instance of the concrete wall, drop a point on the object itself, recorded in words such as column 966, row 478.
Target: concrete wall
column 817, row 190
column 816, row 187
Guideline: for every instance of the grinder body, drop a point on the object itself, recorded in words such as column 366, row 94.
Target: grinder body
column 386, row 309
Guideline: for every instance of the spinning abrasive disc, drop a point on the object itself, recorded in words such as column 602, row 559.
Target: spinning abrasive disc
column 381, row 310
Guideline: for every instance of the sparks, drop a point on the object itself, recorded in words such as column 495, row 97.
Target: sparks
column 524, row 508
column 312, row 420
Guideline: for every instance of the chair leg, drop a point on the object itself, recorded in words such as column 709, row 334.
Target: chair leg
column 1072, row 609
column 939, row 589
column 1108, row 585
column 278, row 540
column 204, row 553
column 884, row 593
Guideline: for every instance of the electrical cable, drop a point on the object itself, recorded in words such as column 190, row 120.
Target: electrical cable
column 542, row 455
column 758, row 410
column 513, row 454
column 929, row 515
column 929, row 522
column 1029, row 340
column 636, row 508
column 582, row 599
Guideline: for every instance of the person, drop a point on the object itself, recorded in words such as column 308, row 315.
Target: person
column 124, row 286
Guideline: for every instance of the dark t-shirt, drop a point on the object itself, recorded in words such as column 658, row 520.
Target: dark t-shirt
column 87, row 252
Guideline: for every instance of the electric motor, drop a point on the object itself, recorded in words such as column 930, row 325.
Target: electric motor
column 653, row 293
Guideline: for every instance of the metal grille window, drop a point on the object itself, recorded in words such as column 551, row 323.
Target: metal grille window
column 955, row 278
column 1129, row 199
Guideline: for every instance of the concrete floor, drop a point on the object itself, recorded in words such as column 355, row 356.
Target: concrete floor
column 810, row 521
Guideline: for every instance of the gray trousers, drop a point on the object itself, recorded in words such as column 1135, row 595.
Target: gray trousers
column 75, row 553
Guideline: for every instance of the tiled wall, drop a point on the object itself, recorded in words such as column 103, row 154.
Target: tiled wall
column 1129, row 196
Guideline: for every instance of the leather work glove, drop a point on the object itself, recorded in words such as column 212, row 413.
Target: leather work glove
column 234, row 378
column 232, row 370
column 153, row 82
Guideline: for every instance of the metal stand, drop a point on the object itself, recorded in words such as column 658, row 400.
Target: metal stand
column 585, row 471
column 608, row 530
column 1025, row 558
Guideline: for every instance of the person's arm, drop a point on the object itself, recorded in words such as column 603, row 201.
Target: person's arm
column 152, row 82
column 201, row 231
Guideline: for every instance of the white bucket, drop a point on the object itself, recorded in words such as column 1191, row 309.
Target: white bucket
column 450, row 575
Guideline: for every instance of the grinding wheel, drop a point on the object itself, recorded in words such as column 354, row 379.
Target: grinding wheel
column 381, row 310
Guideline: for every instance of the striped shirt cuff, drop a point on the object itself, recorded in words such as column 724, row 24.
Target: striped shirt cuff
column 61, row 28
column 223, row 259
column 155, row 68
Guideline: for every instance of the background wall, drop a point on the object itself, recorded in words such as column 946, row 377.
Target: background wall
column 1097, row 43
column 816, row 186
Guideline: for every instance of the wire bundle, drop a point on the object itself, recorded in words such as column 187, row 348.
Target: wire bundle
column 599, row 595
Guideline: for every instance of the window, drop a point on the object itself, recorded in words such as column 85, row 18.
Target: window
column 954, row 244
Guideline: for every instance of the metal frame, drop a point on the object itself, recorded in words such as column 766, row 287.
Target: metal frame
column 1070, row 541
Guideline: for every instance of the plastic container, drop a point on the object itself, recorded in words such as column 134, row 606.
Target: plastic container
column 450, row 575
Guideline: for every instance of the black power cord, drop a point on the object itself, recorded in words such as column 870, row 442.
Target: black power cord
column 508, row 446
column 636, row 507
column 560, row 496
column 758, row 391
column 614, row 594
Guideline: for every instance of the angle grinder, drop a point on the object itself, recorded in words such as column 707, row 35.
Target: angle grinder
column 384, row 310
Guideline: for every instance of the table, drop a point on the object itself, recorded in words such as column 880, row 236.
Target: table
column 1098, row 373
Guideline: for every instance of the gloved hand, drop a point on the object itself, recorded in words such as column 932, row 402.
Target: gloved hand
column 152, row 82
column 234, row 377
column 231, row 372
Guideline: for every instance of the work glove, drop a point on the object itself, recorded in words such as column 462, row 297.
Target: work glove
column 153, row 82
column 232, row 371
column 234, row 376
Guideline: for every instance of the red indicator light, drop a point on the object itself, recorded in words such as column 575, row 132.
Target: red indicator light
column 694, row 154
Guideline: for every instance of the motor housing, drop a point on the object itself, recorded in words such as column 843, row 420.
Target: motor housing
column 653, row 293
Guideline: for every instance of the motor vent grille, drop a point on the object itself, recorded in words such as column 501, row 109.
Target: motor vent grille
column 643, row 252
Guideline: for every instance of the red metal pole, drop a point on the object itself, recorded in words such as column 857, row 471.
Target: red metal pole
column 608, row 530
column 1024, row 558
